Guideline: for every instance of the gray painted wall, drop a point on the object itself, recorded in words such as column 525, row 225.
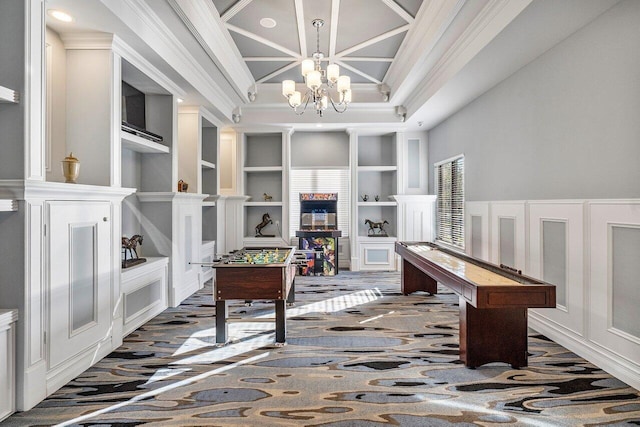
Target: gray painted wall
column 320, row 149
column 567, row 125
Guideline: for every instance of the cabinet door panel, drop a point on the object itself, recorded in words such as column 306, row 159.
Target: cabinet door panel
column 80, row 277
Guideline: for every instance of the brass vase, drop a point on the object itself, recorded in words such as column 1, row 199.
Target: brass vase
column 70, row 168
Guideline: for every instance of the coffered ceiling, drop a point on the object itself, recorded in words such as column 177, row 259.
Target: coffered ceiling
column 411, row 62
column 362, row 36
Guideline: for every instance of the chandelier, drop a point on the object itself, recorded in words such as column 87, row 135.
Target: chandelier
column 318, row 82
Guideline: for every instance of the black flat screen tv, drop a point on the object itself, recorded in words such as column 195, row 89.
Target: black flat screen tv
column 134, row 114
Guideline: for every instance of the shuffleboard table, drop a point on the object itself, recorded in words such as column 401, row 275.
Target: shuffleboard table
column 254, row 274
column 493, row 300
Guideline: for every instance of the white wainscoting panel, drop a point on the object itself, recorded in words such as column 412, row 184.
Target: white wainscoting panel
column 8, row 319
column 477, row 229
column 614, row 295
column 144, row 289
column 508, row 244
column 567, row 260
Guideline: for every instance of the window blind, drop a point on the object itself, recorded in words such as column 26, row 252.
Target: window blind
column 319, row 181
column 450, row 202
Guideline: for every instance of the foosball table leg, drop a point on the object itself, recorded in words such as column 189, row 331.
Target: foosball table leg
column 222, row 330
column 281, row 327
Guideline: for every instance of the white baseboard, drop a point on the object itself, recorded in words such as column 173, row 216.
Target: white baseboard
column 608, row 361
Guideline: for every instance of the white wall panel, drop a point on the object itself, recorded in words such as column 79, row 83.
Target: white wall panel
column 569, row 314
column 509, row 211
column 608, row 220
column 474, row 238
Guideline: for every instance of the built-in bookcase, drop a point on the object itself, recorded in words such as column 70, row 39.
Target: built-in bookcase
column 263, row 182
column 377, row 171
column 376, row 183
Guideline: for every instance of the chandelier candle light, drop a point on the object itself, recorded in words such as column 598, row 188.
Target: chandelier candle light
column 318, row 82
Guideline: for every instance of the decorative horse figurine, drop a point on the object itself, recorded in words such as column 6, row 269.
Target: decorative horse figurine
column 266, row 220
column 267, row 198
column 131, row 246
column 376, row 225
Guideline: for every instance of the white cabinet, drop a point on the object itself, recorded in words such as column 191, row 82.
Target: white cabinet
column 80, row 281
column 416, row 217
column 144, row 292
column 8, row 320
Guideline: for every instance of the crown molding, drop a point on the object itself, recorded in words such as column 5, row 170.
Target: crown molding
column 136, row 14
column 204, row 22
column 92, row 40
column 489, row 22
column 409, row 67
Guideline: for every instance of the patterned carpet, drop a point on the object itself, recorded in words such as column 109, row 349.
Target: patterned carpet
column 358, row 353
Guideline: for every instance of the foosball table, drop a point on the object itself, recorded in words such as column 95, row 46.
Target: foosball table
column 252, row 273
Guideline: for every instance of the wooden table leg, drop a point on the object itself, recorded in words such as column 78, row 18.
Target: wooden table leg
column 281, row 327
column 222, row 331
column 493, row 335
column 413, row 279
column 291, row 298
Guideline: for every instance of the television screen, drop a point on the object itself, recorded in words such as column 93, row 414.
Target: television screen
column 133, row 109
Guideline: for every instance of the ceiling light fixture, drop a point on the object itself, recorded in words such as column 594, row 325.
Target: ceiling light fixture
column 318, row 82
column 60, row 15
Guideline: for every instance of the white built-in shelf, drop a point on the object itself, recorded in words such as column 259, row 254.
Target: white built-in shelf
column 152, row 264
column 9, row 95
column 263, row 203
column 380, row 203
column 263, row 168
column 377, row 168
column 369, row 239
column 207, row 165
column 208, row 203
column 7, row 205
column 142, row 145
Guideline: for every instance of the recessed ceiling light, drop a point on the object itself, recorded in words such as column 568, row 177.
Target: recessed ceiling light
column 268, row 22
column 180, row 100
column 60, row 15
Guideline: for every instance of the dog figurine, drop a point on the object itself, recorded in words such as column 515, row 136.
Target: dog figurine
column 267, row 198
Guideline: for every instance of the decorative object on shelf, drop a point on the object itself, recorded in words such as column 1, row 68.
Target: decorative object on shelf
column 70, row 168
column 377, row 198
column 266, row 220
column 376, row 229
column 130, row 248
column 267, row 198
column 317, row 90
column 182, row 186
column 364, row 198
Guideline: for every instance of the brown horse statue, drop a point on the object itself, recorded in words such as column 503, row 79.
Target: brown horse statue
column 266, row 220
column 373, row 226
column 131, row 246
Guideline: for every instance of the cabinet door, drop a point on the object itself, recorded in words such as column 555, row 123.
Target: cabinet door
column 79, row 277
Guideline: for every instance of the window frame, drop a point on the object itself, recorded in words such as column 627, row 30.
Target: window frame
column 461, row 221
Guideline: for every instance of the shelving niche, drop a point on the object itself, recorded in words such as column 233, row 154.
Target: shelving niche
column 198, row 152
column 377, row 177
column 263, row 174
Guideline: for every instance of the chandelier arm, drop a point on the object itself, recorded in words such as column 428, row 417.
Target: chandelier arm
column 335, row 106
column 306, row 99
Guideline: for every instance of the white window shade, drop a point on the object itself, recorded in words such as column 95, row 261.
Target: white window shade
column 450, row 203
column 319, row 181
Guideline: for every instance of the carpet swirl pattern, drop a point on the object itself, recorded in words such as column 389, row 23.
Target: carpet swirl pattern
column 358, row 353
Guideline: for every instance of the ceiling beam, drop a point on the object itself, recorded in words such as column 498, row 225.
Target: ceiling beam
column 373, row 40
column 333, row 35
column 262, row 40
column 360, row 73
column 277, row 72
column 399, row 10
column 233, row 10
column 302, row 35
